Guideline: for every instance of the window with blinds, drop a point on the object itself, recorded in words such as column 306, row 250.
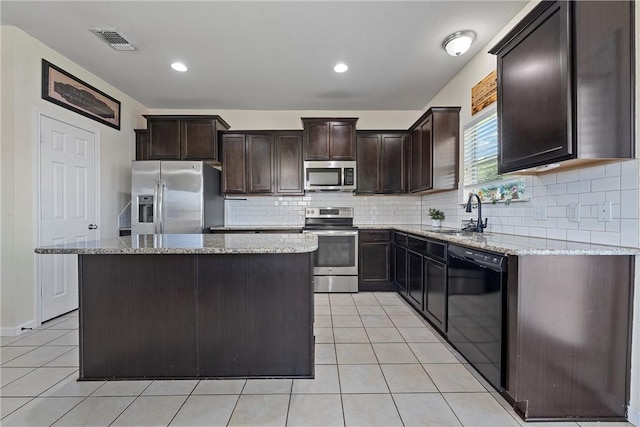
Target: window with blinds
column 481, row 149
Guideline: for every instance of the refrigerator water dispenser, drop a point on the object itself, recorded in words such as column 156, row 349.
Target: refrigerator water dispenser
column 145, row 208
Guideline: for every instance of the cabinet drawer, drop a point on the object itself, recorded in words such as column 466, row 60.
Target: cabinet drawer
column 437, row 250
column 417, row 245
column 400, row 239
column 374, row 236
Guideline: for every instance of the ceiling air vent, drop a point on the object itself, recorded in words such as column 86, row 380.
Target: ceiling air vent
column 113, row 38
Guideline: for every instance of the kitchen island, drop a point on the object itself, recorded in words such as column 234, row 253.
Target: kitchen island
column 195, row 306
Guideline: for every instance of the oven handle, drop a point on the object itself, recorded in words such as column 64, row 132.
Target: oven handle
column 332, row 232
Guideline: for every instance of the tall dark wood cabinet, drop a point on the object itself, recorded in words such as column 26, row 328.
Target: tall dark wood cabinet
column 262, row 162
column 142, row 144
column 329, row 139
column 178, row 137
column 434, row 151
column 565, row 86
column 374, row 261
column 288, row 163
column 381, row 162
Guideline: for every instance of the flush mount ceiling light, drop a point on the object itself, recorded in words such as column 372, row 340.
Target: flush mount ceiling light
column 179, row 66
column 340, row 67
column 459, row 42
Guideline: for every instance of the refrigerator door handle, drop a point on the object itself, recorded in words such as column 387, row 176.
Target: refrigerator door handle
column 156, row 213
column 161, row 186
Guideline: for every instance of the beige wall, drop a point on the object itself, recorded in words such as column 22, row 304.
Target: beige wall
column 21, row 102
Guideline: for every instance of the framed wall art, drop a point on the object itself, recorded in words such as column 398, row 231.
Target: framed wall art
column 68, row 91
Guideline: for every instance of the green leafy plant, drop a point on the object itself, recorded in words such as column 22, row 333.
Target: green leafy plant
column 436, row 214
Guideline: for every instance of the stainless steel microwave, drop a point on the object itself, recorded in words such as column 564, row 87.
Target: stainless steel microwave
column 330, row 176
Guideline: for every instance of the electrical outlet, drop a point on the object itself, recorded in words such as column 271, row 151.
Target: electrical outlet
column 574, row 212
column 604, row 211
column 540, row 212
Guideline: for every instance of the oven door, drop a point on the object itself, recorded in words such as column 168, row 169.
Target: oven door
column 337, row 253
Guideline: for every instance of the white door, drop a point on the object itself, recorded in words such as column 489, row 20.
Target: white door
column 68, row 207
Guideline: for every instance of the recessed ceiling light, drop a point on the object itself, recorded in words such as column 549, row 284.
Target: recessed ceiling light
column 179, row 66
column 340, row 68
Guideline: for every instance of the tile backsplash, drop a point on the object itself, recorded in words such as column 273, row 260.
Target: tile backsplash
column 368, row 210
column 551, row 194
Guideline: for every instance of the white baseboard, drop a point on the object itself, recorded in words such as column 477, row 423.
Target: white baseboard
column 15, row 331
column 633, row 415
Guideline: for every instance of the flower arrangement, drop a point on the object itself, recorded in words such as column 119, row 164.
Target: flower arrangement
column 506, row 192
column 436, row 214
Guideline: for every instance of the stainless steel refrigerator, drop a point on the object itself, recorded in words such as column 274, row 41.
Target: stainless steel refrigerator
column 175, row 197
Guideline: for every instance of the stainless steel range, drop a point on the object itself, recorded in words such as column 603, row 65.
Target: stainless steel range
column 336, row 260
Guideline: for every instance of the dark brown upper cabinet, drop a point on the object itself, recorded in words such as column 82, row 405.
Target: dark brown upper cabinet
column 288, row 163
column 434, row 151
column 565, row 86
column 329, row 139
column 381, row 162
column 184, row 137
column 247, row 163
column 142, row 144
column 262, row 162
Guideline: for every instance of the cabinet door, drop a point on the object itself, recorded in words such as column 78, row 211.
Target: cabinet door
column 446, row 146
column 368, row 163
column 234, row 170
column 400, row 268
column 259, row 163
column 288, row 162
column 142, row 144
column 435, row 292
column 374, row 264
column 414, row 152
column 534, row 101
column 164, row 140
column 426, row 158
column 342, row 141
column 414, row 279
column 392, row 164
column 198, row 140
column 316, row 141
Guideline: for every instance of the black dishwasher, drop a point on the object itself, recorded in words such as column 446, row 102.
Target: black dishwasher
column 476, row 310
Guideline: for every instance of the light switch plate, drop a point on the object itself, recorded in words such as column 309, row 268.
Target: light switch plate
column 540, row 212
column 574, row 212
column 604, row 211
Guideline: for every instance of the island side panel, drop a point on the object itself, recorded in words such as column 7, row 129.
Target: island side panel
column 137, row 316
column 572, row 338
column 255, row 315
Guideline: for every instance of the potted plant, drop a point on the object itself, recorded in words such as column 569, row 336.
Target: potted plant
column 436, row 216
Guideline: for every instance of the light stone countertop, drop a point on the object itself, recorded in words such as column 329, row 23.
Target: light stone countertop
column 194, row 244
column 506, row 243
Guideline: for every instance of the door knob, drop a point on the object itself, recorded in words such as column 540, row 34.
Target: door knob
column 93, row 226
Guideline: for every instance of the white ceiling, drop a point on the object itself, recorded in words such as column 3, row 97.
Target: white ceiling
column 271, row 55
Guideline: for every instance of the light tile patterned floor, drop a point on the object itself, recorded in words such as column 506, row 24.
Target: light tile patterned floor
column 377, row 363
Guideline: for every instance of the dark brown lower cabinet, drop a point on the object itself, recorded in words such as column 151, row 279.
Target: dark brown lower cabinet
column 568, row 334
column 196, row 316
column 374, row 261
column 399, row 262
column 435, row 292
column 414, row 279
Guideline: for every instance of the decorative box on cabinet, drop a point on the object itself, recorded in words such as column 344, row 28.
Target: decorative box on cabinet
column 577, row 109
column 329, row 138
column 381, row 162
column 184, row 137
column 434, row 150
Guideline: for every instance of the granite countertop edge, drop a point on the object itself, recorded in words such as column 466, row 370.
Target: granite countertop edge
column 508, row 244
column 191, row 244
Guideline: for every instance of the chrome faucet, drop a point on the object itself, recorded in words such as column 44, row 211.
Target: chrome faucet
column 479, row 226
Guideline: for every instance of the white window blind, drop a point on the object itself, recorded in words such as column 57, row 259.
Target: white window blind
column 481, row 149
